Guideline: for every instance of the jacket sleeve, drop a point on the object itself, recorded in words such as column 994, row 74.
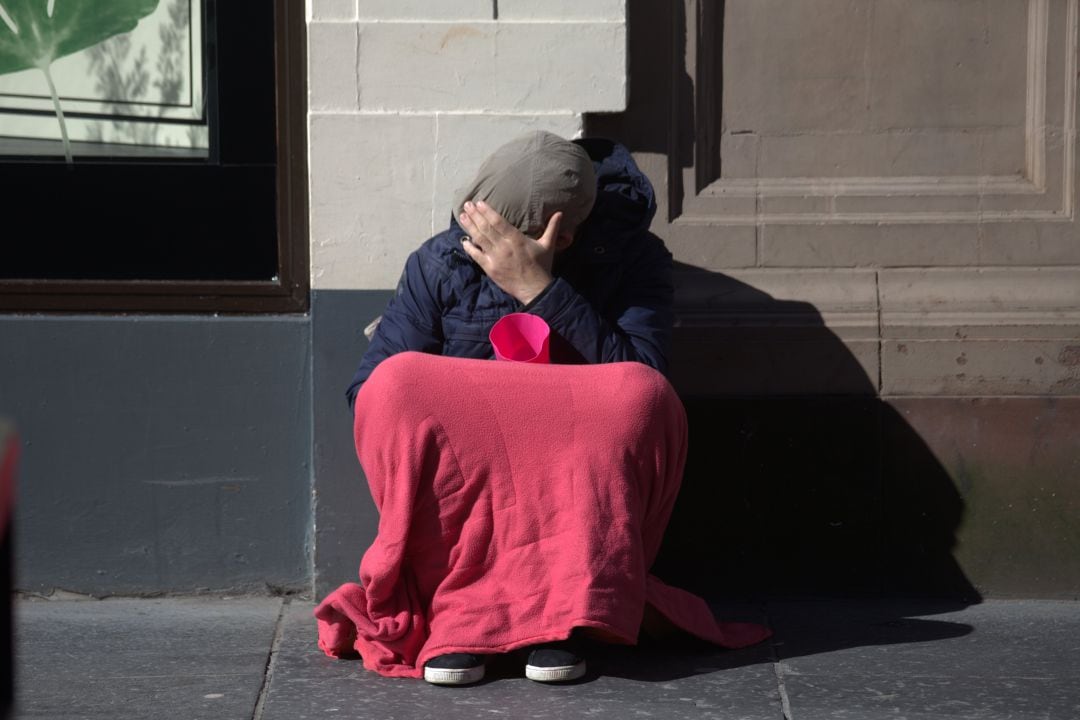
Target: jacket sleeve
column 411, row 321
column 639, row 329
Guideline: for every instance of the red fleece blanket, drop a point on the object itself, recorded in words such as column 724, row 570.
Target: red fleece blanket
column 9, row 454
column 516, row 503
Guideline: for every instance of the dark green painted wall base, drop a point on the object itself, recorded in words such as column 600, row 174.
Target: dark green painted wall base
column 162, row 454
column 178, row 454
column 345, row 518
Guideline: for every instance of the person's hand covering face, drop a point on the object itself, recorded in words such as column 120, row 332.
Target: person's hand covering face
column 519, row 265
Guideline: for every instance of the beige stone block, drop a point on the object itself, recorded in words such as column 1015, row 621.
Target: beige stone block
column 370, row 194
column 709, row 247
column 333, row 10
column 908, row 204
column 1029, row 243
column 771, row 205
column 458, row 10
column 464, row 141
column 873, row 245
column 332, row 79
column 427, row 66
column 821, row 155
column 526, row 67
column 610, row 10
column 794, row 65
column 578, row 67
column 926, row 244
column 952, row 64
column 723, row 199
column 739, row 155
column 980, row 303
column 892, row 154
column 981, row 367
column 980, row 289
column 945, row 153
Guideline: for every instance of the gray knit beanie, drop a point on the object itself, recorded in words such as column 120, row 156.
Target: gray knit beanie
column 529, row 179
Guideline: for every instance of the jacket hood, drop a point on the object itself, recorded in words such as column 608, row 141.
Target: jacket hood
column 624, row 206
column 625, row 200
column 532, row 177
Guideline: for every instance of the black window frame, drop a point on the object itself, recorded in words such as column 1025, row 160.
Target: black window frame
column 259, row 175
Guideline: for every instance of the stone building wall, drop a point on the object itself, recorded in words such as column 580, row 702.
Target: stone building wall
column 873, row 208
column 406, row 99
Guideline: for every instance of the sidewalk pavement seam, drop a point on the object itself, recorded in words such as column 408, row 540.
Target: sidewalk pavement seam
column 271, row 660
column 785, row 702
column 778, row 669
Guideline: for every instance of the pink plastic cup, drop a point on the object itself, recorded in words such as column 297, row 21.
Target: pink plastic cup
column 521, row 337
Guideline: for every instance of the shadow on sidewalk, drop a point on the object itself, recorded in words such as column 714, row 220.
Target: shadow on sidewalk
column 803, row 628
column 800, row 482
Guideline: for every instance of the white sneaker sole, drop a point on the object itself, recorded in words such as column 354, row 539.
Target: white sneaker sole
column 555, row 674
column 444, row 676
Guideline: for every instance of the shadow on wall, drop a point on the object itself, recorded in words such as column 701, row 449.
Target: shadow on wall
column 799, row 479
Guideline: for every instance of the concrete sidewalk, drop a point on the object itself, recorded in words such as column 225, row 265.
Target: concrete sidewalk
column 222, row 658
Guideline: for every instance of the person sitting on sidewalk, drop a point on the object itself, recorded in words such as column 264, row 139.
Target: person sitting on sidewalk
column 521, row 504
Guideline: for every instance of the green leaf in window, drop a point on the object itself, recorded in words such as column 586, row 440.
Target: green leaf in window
column 34, row 33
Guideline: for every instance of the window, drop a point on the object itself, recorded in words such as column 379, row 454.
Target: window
column 181, row 183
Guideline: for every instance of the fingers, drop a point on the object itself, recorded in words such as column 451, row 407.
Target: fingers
column 472, row 250
column 547, row 240
column 474, row 240
column 488, row 229
column 476, row 221
column 486, row 222
column 480, row 233
column 492, row 219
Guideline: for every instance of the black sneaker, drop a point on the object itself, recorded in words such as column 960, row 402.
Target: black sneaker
column 554, row 662
column 455, row 669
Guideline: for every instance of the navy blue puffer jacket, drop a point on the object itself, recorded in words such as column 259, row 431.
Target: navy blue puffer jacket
column 610, row 300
